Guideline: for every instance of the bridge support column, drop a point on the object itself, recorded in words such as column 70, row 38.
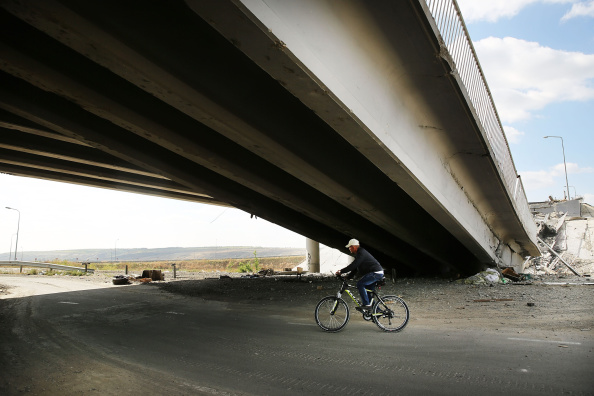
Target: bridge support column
column 313, row 255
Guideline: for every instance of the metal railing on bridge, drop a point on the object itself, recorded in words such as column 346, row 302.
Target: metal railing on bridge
column 457, row 42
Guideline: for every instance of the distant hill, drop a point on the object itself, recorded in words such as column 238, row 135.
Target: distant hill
column 169, row 253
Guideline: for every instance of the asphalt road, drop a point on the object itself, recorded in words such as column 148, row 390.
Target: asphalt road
column 142, row 340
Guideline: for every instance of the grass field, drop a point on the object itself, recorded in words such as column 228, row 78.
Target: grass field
column 229, row 265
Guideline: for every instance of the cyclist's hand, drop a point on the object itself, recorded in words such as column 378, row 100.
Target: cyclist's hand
column 338, row 273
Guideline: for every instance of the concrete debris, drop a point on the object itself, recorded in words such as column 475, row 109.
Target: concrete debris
column 490, row 276
column 566, row 233
column 267, row 272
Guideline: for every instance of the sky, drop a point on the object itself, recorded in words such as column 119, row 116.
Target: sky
column 537, row 56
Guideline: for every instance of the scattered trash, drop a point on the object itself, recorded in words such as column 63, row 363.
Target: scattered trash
column 121, row 280
column 490, row 276
column 266, row 272
column 155, row 275
column 509, row 273
column 147, row 277
column 512, row 275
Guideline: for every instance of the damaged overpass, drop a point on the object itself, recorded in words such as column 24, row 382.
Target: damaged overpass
column 334, row 119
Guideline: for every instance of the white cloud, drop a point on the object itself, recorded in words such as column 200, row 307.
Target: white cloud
column 493, row 10
column 537, row 180
column 542, row 182
column 585, row 8
column 512, row 134
column 572, row 168
column 524, row 76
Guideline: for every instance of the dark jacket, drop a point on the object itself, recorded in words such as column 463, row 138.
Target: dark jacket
column 364, row 263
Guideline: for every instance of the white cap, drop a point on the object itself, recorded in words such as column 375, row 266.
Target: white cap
column 353, row 242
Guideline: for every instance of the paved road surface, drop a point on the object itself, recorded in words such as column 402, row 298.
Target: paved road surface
column 141, row 340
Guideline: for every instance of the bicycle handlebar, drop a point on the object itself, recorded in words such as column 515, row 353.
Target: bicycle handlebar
column 341, row 277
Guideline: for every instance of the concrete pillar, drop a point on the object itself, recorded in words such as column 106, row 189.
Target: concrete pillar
column 313, row 255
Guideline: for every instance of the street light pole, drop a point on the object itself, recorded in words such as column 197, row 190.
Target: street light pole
column 564, row 164
column 115, row 250
column 10, row 251
column 17, row 234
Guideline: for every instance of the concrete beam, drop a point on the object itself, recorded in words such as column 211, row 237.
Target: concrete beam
column 119, row 185
column 394, row 108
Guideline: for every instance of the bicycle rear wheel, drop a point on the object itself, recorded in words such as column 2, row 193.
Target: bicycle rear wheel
column 390, row 313
column 332, row 313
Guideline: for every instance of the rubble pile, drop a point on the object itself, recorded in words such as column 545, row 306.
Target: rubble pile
column 566, row 238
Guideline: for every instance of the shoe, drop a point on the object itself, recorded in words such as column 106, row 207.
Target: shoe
column 363, row 308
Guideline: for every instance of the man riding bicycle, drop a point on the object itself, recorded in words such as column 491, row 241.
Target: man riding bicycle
column 367, row 267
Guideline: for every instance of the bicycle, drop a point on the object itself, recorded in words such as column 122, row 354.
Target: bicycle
column 389, row 313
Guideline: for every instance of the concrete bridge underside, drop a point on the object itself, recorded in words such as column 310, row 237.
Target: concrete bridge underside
column 334, row 119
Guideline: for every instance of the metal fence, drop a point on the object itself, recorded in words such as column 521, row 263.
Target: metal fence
column 458, row 44
column 34, row 264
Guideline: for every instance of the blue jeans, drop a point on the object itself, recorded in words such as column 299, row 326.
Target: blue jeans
column 365, row 281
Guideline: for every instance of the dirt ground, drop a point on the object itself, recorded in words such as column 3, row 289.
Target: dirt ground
column 547, row 302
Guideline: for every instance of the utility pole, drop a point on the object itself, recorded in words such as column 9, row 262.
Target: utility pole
column 17, row 234
column 564, row 164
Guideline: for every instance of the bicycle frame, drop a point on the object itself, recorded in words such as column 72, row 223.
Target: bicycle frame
column 345, row 289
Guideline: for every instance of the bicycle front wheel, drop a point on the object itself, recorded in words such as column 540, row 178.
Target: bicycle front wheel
column 332, row 313
column 390, row 313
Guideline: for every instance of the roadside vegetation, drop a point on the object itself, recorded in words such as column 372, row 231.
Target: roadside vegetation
column 223, row 265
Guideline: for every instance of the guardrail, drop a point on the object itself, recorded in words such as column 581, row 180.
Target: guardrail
column 457, row 42
column 43, row 265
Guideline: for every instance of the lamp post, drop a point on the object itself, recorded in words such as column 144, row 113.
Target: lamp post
column 115, row 250
column 17, row 234
column 10, row 251
column 564, row 164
